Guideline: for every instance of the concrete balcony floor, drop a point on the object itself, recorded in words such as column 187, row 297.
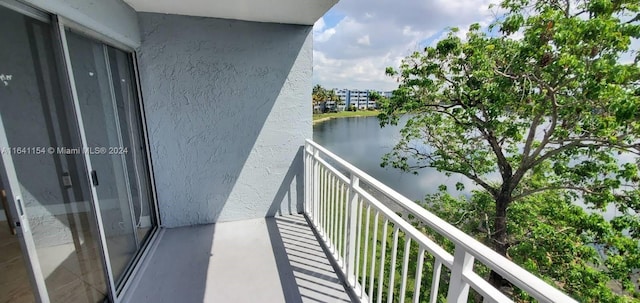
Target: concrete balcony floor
column 265, row 260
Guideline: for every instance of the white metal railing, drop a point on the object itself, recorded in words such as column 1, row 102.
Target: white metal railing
column 366, row 238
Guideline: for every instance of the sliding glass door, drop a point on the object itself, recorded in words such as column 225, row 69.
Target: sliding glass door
column 50, row 187
column 108, row 108
column 74, row 170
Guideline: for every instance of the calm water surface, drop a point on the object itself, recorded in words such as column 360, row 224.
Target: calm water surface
column 362, row 142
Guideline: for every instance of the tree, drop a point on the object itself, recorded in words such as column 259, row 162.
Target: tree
column 318, row 94
column 375, row 97
column 331, row 96
column 554, row 112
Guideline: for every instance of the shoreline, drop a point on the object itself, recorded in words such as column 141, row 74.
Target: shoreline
column 340, row 116
column 323, row 119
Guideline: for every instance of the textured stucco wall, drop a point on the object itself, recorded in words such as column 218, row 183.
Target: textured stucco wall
column 227, row 108
column 112, row 18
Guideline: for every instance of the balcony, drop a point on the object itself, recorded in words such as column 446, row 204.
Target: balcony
column 351, row 244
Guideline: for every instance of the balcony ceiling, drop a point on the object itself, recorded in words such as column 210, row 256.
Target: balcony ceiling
column 305, row 12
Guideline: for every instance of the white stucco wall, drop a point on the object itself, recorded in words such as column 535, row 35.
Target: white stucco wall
column 227, row 108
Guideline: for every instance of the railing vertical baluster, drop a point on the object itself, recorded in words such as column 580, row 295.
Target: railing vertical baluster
column 325, row 186
column 321, row 202
column 327, row 194
column 458, row 287
column 326, row 204
column 392, row 270
column 338, row 216
column 334, row 214
column 309, row 177
column 365, row 253
column 305, row 168
column 339, row 220
column 405, row 267
column 316, row 187
column 418, row 277
column 383, row 252
column 330, row 210
column 358, row 239
column 345, row 225
column 331, row 214
column 310, row 184
column 353, row 225
column 435, row 282
column 374, row 246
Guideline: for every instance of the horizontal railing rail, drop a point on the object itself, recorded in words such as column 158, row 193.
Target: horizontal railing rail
column 374, row 246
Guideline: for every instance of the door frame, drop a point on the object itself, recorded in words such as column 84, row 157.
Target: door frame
column 115, row 293
column 20, row 221
column 95, row 205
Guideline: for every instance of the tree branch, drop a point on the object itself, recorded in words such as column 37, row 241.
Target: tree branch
column 554, row 152
column 532, row 132
column 552, row 127
column 541, row 189
column 471, row 175
column 633, row 148
column 503, row 163
column 512, row 77
column 584, row 142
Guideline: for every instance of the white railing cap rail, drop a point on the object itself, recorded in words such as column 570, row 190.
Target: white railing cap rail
column 515, row 274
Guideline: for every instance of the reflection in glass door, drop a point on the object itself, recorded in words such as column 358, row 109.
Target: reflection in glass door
column 108, row 106
column 53, row 185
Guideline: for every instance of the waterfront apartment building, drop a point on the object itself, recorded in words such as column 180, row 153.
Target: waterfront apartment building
column 359, row 98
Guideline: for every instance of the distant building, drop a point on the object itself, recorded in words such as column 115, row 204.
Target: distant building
column 359, row 98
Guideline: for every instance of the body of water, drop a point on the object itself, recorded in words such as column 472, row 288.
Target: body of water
column 362, row 142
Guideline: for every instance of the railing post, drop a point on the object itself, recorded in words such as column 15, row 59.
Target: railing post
column 351, row 230
column 458, row 287
column 316, row 187
column 305, row 163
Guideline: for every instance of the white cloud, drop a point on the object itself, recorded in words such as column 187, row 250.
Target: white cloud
column 408, row 32
column 319, row 26
column 364, row 40
column 374, row 34
column 321, row 33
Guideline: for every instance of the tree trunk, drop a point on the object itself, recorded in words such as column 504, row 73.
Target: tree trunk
column 499, row 237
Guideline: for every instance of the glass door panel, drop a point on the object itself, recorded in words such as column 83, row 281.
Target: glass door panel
column 39, row 124
column 133, row 147
column 105, row 143
column 15, row 283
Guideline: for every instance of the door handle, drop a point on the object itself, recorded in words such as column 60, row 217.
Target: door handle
column 94, row 178
column 7, row 213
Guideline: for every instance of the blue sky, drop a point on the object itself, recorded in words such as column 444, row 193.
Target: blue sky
column 357, row 39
